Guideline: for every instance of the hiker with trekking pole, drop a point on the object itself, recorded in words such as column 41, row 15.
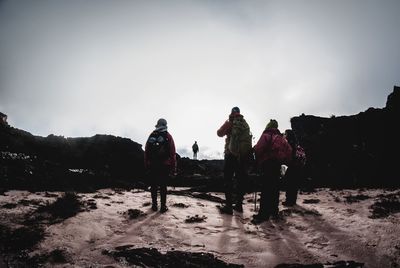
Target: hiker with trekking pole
column 271, row 151
column 238, row 149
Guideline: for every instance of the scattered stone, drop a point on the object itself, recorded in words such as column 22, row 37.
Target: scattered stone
column 151, row 257
column 307, row 191
column 9, row 205
column 28, row 202
column 146, row 204
column 338, row 264
column 180, row 205
column 356, row 198
column 204, row 196
column 134, row 213
column 100, row 196
column 20, row 238
column 385, row 206
column 299, row 211
column 195, row 218
column 337, row 199
column 57, row 256
column 63, row 208
column 119, row 191
column 91, row 204
column 47, row 194
column 311, row 201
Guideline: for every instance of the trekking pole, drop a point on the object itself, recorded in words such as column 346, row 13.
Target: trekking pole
column 255, row 201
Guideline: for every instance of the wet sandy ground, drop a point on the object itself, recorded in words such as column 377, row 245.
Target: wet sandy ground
column 325, row 226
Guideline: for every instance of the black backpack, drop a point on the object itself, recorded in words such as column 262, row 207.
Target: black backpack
column 158, row 147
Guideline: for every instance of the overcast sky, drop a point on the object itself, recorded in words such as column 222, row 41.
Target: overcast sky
column 78, row 68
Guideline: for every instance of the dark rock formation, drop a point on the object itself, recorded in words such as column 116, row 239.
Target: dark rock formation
column 353, row 151
column 55, row 162
column 87, row 163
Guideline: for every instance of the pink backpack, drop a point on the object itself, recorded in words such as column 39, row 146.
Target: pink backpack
column 300, row 156
column 280, row 149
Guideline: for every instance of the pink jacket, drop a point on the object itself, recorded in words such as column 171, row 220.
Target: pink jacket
column 262, row 146
column 171, row 161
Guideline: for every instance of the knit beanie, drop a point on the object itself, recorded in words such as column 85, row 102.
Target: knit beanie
column 272, row 124
column 161, row 124
column 235, row 110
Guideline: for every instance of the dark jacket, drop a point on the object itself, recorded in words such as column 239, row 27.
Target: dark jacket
column 170, row 162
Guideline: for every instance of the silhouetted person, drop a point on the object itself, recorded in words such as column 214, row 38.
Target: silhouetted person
column 269, row 146
column 236, row 159
column 160, row 161
column 195, row 149
column 294, row 175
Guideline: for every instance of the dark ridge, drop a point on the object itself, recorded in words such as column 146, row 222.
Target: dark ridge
column 353, row 151
column 342, row 152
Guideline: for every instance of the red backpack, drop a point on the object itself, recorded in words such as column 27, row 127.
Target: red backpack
column 280, row 149
column 300, row 157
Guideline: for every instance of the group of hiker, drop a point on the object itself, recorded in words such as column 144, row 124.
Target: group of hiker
column 272, row 150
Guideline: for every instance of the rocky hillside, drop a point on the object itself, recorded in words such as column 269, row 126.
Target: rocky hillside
column 357, row 150
column 52, row 162
column 344, row 151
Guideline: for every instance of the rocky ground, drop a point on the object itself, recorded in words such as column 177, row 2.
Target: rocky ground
column 117, row 228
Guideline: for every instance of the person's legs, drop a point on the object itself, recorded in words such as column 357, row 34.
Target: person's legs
column 264, row 197
column 229, row 165
column 273, row 197
column 153, row 190
column 262, row 214
column 163, row 194
column 242, row 178
column 291, row 195
column 292, row 186
column 269, row 193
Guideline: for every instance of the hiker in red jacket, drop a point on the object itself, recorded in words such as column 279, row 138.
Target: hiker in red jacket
column 235, row 164
column 270, row 150
column 160, row 161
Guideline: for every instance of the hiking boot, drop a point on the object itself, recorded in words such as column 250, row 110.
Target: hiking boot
column 154, row 207
column 238, row 208
column 259, row 218
column 163, row 209
column 226, row 210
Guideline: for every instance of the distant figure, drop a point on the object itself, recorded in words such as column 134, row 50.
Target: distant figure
column 271, row 151
column 237, row 155
column 195, row 149
column 295, row 171
column 160, row 161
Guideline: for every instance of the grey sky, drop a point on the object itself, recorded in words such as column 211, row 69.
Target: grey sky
column 77, row 68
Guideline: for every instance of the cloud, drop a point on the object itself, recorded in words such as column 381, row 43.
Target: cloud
column 81, row 68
